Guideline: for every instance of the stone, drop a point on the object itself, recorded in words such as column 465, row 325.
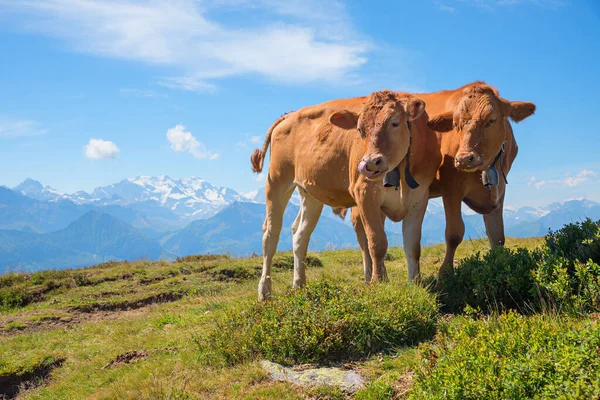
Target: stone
column 346, row 380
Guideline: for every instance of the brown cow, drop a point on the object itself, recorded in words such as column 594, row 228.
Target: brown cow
column 481, row 137
column 337, row 153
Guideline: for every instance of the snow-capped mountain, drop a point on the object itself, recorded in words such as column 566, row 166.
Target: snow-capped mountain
column 35, row 190
column 189, row 198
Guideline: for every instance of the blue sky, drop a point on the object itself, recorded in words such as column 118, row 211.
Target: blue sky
column 93, row 92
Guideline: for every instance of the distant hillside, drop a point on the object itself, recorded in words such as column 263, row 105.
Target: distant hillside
column 237, row 230
column 23, row 213
column 158, row 217
column 92, row 239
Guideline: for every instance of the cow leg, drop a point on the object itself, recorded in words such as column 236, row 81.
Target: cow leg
column 494, row 225
column 411, row 235
column 370, row 213
column 277, row 196
column 363, row 243
column 310, row 211
column 455, row 231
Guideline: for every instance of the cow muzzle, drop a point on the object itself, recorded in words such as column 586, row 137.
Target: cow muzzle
column 468, row 161
column 373, row 166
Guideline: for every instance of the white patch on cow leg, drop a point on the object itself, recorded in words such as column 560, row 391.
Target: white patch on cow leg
column 361, row 236
column 296, row 222
column 411, row 234
column 277, row 199
column 310, row 211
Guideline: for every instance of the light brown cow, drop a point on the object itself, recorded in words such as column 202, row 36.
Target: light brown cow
column 481, row 137
column 337, row 153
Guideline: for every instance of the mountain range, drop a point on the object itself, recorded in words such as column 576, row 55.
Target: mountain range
column 162, row 218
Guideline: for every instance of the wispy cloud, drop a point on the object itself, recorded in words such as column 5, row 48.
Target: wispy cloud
column 261, row 177
column 188, row 83
column 444, row 7
column 296, row 41
column 182, row 141
column 98, row 149
column 146, row 93
column 492, row 4
column 10, row 128
column 582, row 177
column 248, row 142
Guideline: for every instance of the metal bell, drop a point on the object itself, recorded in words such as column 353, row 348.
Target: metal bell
column 392, row 178
column 490, row 178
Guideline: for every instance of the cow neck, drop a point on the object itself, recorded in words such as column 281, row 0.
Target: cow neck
column 392, row 178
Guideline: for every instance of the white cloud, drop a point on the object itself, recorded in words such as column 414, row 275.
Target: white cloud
column 189, row 83
column 182, row 141
column 491, row 4
column 19, row 128
column 582, row 177
column 444, row 7
column 98, row 149
column 294, row 42
column 261, row 177
column 249, row 142
column 128, row 92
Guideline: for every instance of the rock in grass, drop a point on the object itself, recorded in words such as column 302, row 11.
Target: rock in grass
column 349, row 381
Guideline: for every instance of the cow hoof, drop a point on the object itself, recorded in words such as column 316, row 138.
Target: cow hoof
column 264, row 289
column 298, row 283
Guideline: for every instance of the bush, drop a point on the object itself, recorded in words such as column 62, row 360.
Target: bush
column 563, row 274
column 500, row 279
column 511, row 357
column 569, row 275
column 579, row 241
column 323, row 322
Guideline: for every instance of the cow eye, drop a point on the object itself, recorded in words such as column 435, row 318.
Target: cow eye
column 489, row 123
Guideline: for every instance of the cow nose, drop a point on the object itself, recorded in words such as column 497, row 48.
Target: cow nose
column 467, row 160
column 373, row 164
column 376, row 163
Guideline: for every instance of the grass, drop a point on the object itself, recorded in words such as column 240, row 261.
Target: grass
column 89, row 317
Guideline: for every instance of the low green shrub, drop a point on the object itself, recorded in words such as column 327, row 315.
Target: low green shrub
column 499, row 279
column 564, row 274
column 578, row 241
column 568, row 274
column 511, row 357
column 11, row 298
column 323, row 322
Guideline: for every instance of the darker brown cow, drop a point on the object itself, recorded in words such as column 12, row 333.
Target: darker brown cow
column 479, row 149
column 336, row 153
column 481, row 139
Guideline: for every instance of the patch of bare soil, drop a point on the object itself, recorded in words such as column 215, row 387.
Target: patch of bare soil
column 134, row 356
column 403, row 385
column 91, row 314
column 13, row 384
column 128, row 358
column 132, row 305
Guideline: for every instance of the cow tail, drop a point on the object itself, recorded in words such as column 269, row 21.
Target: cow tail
column 258, row 156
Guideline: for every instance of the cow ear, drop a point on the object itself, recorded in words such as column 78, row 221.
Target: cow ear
column 518, row 110
column 414, row 108
column 442, row 122
column 344, row 119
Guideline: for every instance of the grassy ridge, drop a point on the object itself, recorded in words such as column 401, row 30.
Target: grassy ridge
column 90, row 317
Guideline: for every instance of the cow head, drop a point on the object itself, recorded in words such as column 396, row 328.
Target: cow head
column 481, row 121
column 383, row 123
